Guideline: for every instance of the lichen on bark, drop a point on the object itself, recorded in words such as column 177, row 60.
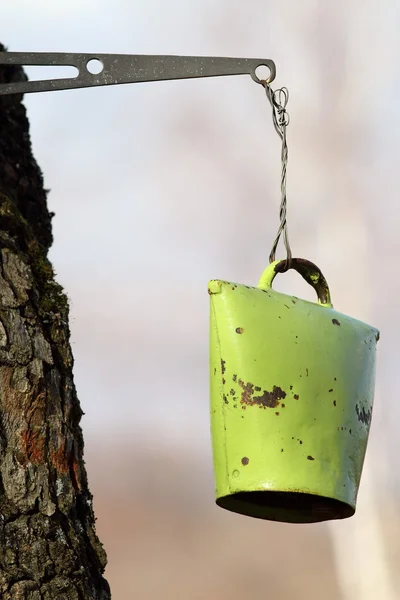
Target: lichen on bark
column 49, row 549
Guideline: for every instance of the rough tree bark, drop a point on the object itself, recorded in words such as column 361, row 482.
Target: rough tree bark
column 48, row 545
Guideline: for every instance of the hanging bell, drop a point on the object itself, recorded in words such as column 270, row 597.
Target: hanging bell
column 292, row 387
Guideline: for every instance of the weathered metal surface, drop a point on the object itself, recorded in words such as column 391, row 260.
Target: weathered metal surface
column 292, row 386
column 126, row 68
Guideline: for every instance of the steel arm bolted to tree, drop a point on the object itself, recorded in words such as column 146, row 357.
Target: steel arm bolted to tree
column 48, row 544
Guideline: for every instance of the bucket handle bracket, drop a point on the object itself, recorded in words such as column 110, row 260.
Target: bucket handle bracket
column 308, row 270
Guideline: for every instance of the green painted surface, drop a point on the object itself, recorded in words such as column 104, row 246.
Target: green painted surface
column 292, row 386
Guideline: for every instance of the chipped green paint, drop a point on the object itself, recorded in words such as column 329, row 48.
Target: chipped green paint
column 291, row 396
column 266, row 400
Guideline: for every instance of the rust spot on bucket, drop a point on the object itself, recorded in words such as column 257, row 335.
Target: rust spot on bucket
column 248, row 390
column 310, row 457
column 225, row 399
column 363, row 415
column 335, row 322
column 223, row 381
column 296, row 396
column 334, row 403
column 277, row 414
column 239, row 329
column 331, row 390
column 234, row 378
column 257, row 388
column 267, row 400
column 232, row 392
column 245, row 461
column 377, row 336
column 223, row 363
column 294, row 301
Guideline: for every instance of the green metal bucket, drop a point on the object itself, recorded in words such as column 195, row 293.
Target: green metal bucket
column 292, row 387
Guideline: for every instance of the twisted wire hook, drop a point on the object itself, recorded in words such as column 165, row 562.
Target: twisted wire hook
column 278, row 100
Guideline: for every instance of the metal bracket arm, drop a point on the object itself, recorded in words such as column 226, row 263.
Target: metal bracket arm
column 126, row 68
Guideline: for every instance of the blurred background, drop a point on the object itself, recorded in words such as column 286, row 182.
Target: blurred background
column 158, row 188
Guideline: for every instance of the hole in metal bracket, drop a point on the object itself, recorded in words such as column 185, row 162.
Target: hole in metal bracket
column 44, row 73
column 94, row 66
column 263, row 73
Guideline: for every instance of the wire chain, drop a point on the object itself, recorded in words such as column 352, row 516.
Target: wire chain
column 278, row 100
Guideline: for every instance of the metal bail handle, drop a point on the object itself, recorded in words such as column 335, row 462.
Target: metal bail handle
column 310, row 272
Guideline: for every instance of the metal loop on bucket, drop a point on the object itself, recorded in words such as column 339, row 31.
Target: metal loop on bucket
column 308, row 270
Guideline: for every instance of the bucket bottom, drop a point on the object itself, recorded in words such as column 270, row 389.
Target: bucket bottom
column 287, row 507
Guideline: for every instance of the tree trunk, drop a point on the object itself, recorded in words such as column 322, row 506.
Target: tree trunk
column 48, row 545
